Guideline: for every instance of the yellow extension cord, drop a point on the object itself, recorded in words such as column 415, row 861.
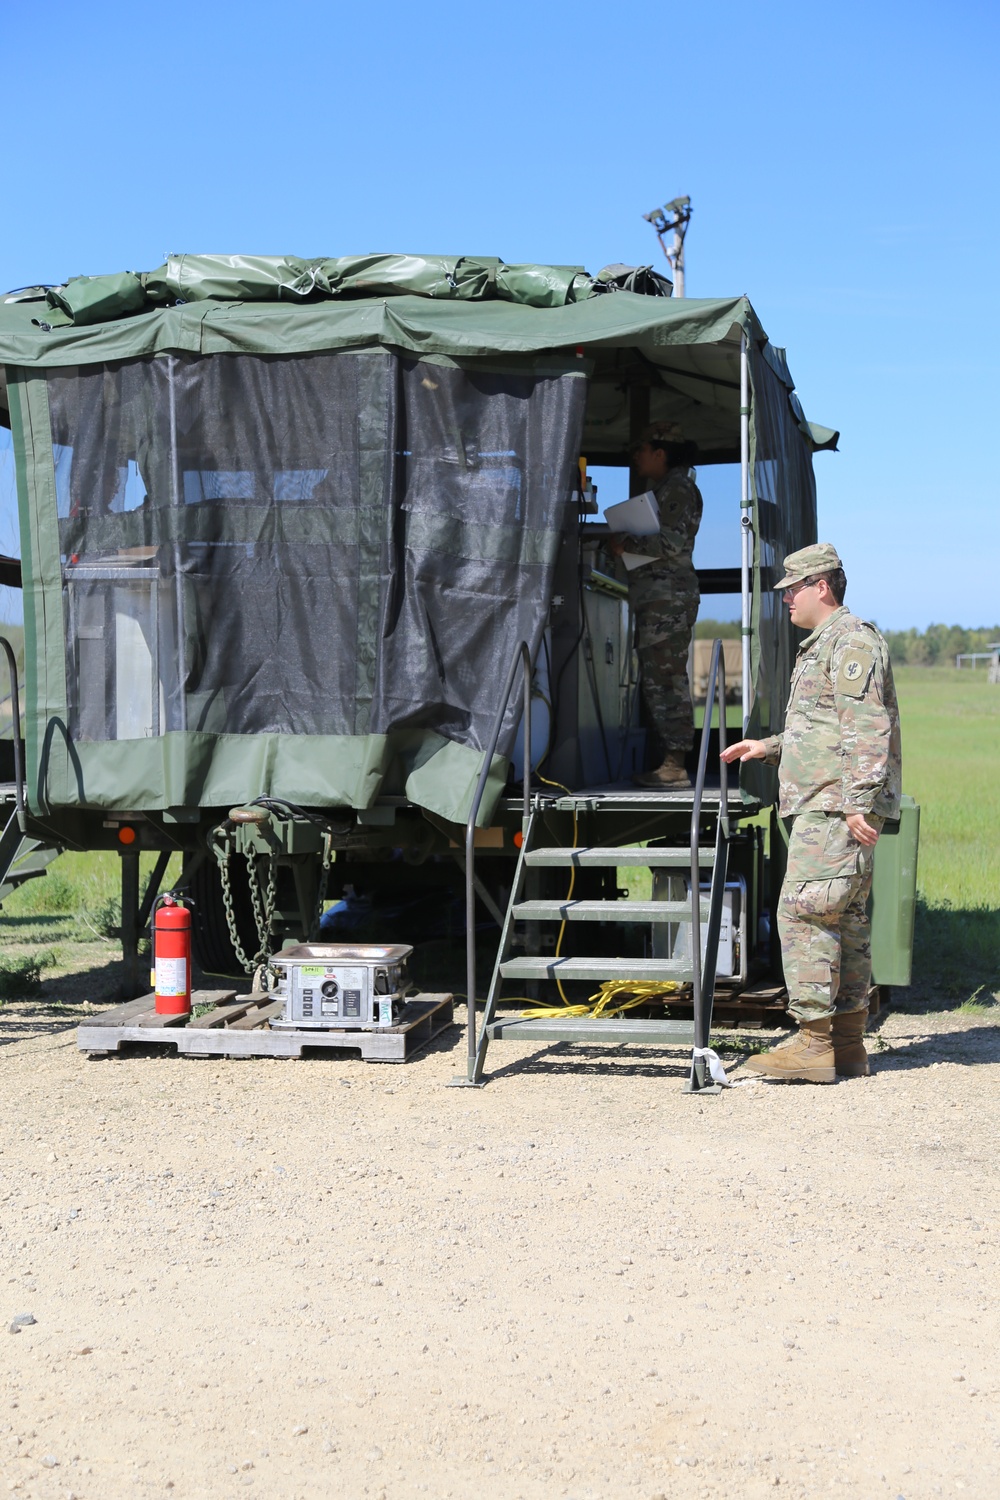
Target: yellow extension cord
column 605, row 1001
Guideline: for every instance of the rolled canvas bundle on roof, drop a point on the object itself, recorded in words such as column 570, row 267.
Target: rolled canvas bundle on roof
column 289, row 546
column 265, row 278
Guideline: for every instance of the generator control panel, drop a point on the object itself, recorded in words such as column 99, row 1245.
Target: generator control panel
column 337, row 986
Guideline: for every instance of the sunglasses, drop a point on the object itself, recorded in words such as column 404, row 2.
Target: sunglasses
column 796, row 588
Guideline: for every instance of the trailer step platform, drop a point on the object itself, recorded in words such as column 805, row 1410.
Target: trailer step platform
column 614, row 1029
column 239, row 1028
column 607, row 856
column 604, row 969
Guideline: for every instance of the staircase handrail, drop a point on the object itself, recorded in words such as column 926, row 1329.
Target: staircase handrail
column 15, row 708
column 522, row 657
column 716, row 691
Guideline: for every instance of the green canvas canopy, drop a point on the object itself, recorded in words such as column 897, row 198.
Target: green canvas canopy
column 406, row 426
column 458, row 307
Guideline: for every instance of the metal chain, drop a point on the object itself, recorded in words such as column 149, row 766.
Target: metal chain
column 263, row 914
column 222, row 853
column 263, row 909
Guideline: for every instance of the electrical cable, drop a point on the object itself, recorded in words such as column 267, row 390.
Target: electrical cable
column 536, row 692
column 605, row 1001
column 633, row 688
column 591, row 666
column 290, row 812
column 556, row 685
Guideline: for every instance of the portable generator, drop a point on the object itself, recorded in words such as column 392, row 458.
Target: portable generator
column 341, row 986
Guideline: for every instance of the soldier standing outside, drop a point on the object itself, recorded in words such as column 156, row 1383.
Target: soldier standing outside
column 839, row 775
column 664, row 597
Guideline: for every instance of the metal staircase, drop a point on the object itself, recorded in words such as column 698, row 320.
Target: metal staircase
column 697, row 860
column 21, row 858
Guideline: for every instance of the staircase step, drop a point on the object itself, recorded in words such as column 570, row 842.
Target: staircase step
column 658, row 859
column 21, row 859
column 596, row 968
column 17, row 878
column 11, row 840
column 35, row 863
column 593, row 1029
column 607, row 911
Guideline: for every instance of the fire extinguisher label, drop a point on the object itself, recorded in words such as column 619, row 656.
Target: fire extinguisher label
column 171, row 976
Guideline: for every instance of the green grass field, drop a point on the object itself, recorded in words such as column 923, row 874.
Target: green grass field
column 951, row 739
column 951, row 731
column 951, row 726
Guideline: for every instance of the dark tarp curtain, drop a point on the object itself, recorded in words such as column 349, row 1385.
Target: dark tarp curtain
column 302, row 549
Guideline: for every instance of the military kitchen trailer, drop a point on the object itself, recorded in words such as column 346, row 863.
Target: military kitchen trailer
column 288, row 531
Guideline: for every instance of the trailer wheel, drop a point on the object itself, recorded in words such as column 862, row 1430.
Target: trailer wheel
column 210, row 940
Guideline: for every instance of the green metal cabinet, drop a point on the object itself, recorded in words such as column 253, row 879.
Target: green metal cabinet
column 894, row 897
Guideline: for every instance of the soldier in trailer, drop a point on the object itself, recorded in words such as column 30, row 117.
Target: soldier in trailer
column 664, row 597
column 839, row 774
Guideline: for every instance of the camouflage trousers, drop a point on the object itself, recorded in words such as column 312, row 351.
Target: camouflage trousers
column 663, row 636
column 823, row 917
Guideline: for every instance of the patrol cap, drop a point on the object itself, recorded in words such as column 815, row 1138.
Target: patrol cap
column 821, row 557
column 660, row 432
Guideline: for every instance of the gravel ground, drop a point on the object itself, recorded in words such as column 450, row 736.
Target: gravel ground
column 331, row 1278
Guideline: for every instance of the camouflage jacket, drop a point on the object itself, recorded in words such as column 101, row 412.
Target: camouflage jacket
column 840, row 750
column 672, row 573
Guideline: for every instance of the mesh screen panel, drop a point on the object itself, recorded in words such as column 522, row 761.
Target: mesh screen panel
column 344, row 543
column 487, row 464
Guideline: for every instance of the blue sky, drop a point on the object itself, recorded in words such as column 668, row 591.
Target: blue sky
column 841, row 163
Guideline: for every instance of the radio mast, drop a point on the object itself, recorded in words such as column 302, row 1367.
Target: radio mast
column 674, row 216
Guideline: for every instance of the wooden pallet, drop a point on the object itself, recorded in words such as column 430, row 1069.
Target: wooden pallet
column 758, row 1005
column 755, row 1006
column 239, row 1028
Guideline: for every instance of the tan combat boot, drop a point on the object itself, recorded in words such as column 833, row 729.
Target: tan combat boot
column 849, row 1045
column 671, row 773
column 808, row 1056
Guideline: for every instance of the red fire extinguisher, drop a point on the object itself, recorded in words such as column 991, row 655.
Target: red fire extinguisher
column 172, row 957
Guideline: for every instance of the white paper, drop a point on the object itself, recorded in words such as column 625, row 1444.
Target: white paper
column 635, row 560
column 716, row 1071
column 171, row 976
column 639, row 515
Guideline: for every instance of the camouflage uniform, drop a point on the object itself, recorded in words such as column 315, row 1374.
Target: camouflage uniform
column 839, row 754
column 664, row 597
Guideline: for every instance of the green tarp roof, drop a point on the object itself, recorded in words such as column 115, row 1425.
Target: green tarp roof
column 462, row 308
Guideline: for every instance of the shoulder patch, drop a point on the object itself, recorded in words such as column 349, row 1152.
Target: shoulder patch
column 856, row 667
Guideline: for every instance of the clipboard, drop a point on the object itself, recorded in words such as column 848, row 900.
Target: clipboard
column 639, row 515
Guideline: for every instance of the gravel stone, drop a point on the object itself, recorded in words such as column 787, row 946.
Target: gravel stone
column 512, row 1362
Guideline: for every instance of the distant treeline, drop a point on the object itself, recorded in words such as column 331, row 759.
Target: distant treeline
column 938, row 644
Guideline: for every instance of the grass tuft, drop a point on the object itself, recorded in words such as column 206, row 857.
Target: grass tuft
column 105, row 918
column 22, row 976
column 975, row 1006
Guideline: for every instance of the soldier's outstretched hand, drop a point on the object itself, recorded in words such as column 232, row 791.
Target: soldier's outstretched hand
column 862, row 829
column 744, row 750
